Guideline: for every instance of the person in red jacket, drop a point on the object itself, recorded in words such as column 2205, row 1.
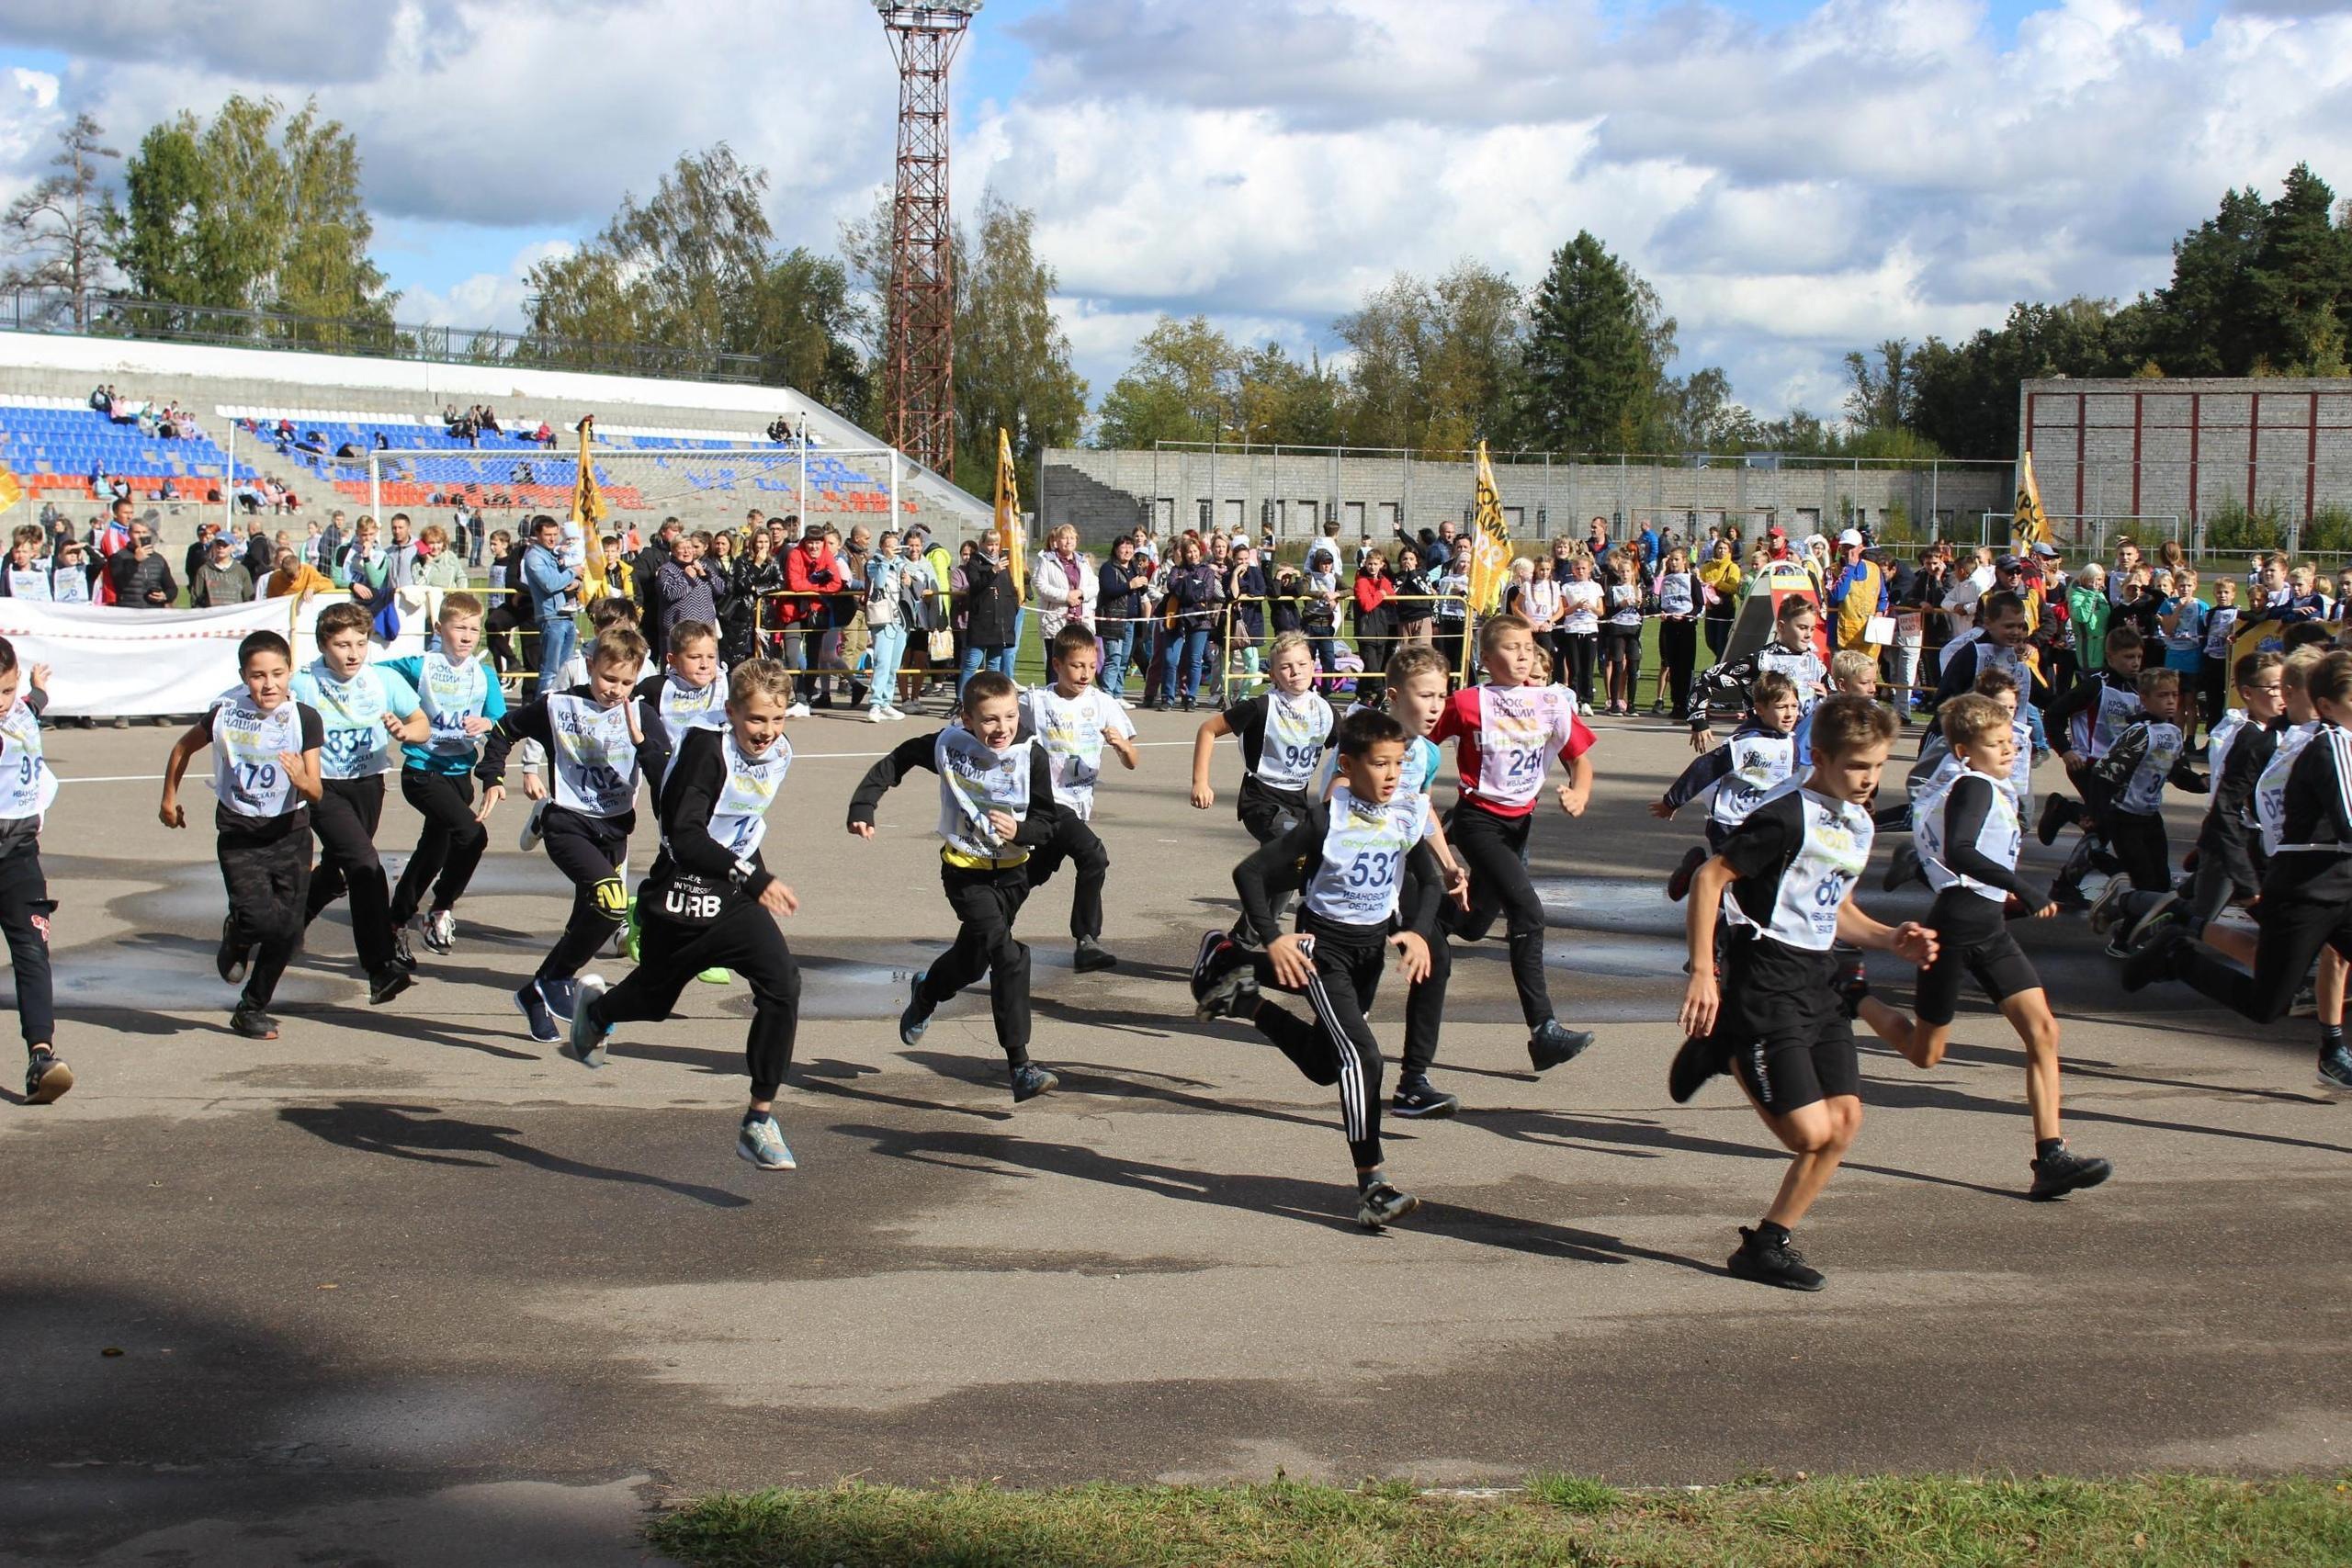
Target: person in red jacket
column 1376, row 624
column 809, row 569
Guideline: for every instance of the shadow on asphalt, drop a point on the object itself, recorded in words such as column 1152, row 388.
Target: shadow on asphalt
column 422, row 1133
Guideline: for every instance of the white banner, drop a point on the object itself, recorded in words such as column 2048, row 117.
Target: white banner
column 140, row 662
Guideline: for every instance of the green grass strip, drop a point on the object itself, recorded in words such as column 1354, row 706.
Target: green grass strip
column 2161, row 1521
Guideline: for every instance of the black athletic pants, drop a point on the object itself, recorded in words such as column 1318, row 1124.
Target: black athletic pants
column 344, row 820
column 449, row 847
column 1425, row 1012
column 588, row 850
column 2291, row 933
column 985, row 903
column 1491, row 847
column 1075, row 840
column 2139, row 846
column 1338, row 1046
column 1677, row 646
column 24, row 908
column 1573, row 654
column 268, row 873
column 744, row 940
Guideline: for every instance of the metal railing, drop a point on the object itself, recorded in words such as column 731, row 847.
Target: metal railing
column 46, row 311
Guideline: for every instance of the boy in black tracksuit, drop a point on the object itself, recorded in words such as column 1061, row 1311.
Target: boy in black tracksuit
column 2082, row 725
column 1284, row 732
column 597, row 739
column 711, row 903
column 2146, row 757
column 28, row 785
column 996, row 805
column 1361, row 859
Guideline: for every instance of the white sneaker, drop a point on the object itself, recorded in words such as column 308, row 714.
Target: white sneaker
column 530, row 835
column 890, row 711
column 798, row 710
column 878, row 715
column 1127, row 705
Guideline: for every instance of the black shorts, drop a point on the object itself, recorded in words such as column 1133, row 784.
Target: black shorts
column 1972, row 938
column 1791, row 1044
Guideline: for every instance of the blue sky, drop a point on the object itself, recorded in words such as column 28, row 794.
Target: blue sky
column 1794, row 179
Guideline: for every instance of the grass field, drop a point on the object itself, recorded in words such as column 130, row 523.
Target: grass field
column 2167, row 1521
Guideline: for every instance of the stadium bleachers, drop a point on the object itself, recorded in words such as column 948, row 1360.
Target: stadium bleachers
column 53, row 445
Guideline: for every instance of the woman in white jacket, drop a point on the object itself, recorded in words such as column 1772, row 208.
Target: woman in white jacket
column 1067, row 583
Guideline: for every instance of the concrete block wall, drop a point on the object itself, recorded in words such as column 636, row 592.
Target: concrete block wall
column 2161, row 447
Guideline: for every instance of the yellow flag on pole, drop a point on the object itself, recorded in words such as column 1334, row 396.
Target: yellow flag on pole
column 1008, row 514
column 2030, row 526
column 587, row 497
column 1489, row 542
column 11, row 491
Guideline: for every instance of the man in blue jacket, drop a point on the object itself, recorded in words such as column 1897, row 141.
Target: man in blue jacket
column 553, row 593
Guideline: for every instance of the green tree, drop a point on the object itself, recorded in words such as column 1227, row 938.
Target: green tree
column 1880, row 392
column 2204, row 323
column 2300, row 292
column 1183, row 383
column 1597, row 346
column 1282, row 399
column 156, row 242
column 808, row 324
column 1013, row 359
column 59, row 230
column 1434, row 363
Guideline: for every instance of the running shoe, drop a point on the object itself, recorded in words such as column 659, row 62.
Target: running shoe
column 562, row 997
column 1030, row 1080
column 1695, row 1062
column 1380, row 1203
column 2062, row 1171
column 230, row 960
column 1902, row 867
column 1677, row 885
column 2151, row 964
column 1555, row 1043
column 440, row 932
column 1772, row 1262
column 533, row 1009
column 584, row 1039
column 760, row 1140
column 719, row 977
column 2109, row 907
column 46, row 1077
column 253, row 1024
column 1092, row 957
column 2170, row 913
column 917, row 1016
column 387, row 982
column 1224, row 982
column 631, row 934
column 797, row 710
column 403, row 956
column 2056, row 812
column 531, row 834
column 875, row 714
column 2334, row 1067
column 1418, row 1097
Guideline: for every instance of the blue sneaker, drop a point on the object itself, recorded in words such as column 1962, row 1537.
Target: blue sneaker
column 917, row 1018
column 586, row 1037
column 563, row 995
column 762, row 1142
column 2336, row 1067
column 533, row 1006
column 1030, row 1080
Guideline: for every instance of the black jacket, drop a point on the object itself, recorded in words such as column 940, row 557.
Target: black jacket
column 134, row 579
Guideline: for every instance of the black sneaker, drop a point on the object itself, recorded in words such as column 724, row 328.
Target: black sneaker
column 46, row 1077
column 1851, row 986
column 2108, row 908
column 1555, row 1043
column 230, row 960
column 2067, row 895
column 2056, row 812
column 2334, row 1067
column 1090, row 957
column 2168, row 912
column 1381, row 1203
column 535, row 1016
column 2151, row 962
column 1774, row 1262
column 1697, row 1061
column 386, row 984
column 916, row 1018
column 1902, row 867
column 253, row 1024
column 1677, row 886
column 2062, row 1171
column 2306, row 1003
column 1418, row 1097
column 1224, row 982
column 1030, row 1080
column 403, row 956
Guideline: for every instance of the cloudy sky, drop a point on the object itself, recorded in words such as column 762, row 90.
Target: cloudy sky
column 1796, row 179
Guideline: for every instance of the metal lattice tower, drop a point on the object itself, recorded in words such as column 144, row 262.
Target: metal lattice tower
column 919, row 365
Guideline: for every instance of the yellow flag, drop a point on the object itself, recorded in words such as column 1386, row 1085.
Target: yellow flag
column 1008, row 514
column 11, row 491
column 1489, row 543
column 2030, row 526
column 587, row 497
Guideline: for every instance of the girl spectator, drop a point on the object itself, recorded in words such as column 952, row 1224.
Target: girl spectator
column 2089, row 610
column 747, row 622
column 959, row 586
column 2182, row 617
column 1416, row 609
column 2213, row 663
column 436, row 565
column 1452, row 586
column 1193, row 594
column 1620, row 633
column 1719, row 579
column 1119, row 614
column 992, row 611
column 1318, row 610
column 1676, row 592
column 1247, row 588
column 1375, row 626
column 891, row 605
column 1577, row 641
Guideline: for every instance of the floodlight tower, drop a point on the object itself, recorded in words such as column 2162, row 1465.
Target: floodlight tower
column 919, row 367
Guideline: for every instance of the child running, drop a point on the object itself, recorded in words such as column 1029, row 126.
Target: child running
column 2306, row 904
column 1283, row 734
column 1349, row 857
column 1792, row 649
column 1507, row 731
column 710, row 901
column 1736, row 775
column 265, row 774
column 27, row 787
column 684, row 697
column 1076, row 721
column 363, row 709
column 462, row 701
column 1784, row 879
column 1967, row 835
column 594, row 735
column 996, row 807
column 2083, row 723
column 2146, row 757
